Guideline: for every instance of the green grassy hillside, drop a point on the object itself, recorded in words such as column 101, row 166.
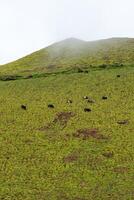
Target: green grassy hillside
column 67, row 123
column 74, row 53
column 65, row 153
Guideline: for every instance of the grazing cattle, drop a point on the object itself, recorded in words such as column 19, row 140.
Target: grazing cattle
column 69, row 101
column 104, row 98
column 29, row 76
column 85, row 97
column 90, row 101
column 87, row 110
column 80, row 70
column 118, row 76
column 23, row 107
column 50, row 106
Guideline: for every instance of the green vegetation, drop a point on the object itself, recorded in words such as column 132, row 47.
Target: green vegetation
column 59, row 72
column 74, row 53
column 64, row 152
column 67, row 133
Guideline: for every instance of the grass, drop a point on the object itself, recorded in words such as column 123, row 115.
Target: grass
column 73, row 53
column 42, row 154
column 87, row 69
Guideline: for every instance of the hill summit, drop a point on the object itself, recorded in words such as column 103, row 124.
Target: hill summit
column 72, row 52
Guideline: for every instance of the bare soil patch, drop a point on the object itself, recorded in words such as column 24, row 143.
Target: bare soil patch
column 87, row 133
column 121, row 170
column 108, row 154
column 71, row 158
column 61, row 118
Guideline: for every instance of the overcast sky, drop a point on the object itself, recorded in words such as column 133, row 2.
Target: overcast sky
column 28, row 25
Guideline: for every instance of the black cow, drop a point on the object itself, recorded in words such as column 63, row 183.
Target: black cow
column 69, row 101
column 118, row 76
column 87, row 110
column 85, row 97
column 90, row 101
column 104, row 98
column 50, row 106
column 23, row 107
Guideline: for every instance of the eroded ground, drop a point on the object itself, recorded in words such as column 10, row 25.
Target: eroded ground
column 64, row 152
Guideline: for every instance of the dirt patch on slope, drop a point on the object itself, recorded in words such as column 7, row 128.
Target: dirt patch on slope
column 87, row 133
column 121, row 170
column 61, row 118
column 70, row 158
column 108, row 154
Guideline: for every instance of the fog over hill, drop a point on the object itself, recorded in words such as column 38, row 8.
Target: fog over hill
column 72, row 52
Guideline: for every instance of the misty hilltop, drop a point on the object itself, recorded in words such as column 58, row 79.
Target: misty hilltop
column 73, row 52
